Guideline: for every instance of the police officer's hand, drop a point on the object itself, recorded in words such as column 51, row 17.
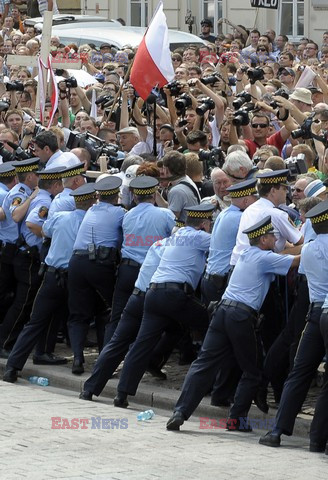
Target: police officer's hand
column 34, row 193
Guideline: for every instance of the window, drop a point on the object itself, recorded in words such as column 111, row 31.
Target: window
column 292, row 18
column 138, row 13
column 212, row 9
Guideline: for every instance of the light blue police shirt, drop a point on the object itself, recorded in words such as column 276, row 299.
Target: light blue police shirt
column 142, row 226
column 223, row 240
column 62, row 228
column 63, row 202
column 184, row 257
column 102, row 226
column 149, row 265
column 9, row 229
column 252, row 275
column 314, row 263
column 37, row 213
column 3, row 192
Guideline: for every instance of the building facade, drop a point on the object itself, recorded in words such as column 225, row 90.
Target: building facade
column 295, row 18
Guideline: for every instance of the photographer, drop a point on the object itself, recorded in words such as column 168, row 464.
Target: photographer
column 14, row 120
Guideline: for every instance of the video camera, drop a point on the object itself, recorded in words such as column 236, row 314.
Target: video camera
column 14, row 86
column 96, row 147
column 16, row 155
column 296, row 165
column 211, row 159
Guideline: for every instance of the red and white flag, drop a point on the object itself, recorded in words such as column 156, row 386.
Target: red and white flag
column 152, row 65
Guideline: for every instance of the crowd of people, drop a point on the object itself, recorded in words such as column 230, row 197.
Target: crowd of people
column 205, row 231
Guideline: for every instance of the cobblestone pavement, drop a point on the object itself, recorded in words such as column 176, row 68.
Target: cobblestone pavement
column 31, row 449
column 176, row 374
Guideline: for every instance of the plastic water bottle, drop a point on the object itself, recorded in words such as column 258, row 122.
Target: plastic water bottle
column 44, row 382
column 147, row 415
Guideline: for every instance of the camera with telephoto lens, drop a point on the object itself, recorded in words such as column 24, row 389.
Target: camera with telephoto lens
column 241, row 117
column 241, row 99
column 4, row 105
column 175, row 88
column 296, row 165
column 211, row 79
column 279, row 93
column 182, row 103
column 17, row 154
column 255, row 74
column 14, row 86
column 211, row 159
column 96, row 147
column 305, row 129
column 71, row 82
column 207, row 104
column 105, row 101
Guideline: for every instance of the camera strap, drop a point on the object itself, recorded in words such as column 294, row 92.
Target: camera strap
column 192, row 188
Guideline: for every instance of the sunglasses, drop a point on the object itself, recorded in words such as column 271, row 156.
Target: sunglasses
column 176, row 59
column 298, row 190
column 259, row 125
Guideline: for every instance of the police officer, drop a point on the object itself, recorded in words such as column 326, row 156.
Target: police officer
column 15, row 206
column 142, row 226
column 311, row 349
column 31, row 216
column 170, row 299
column 8, row 180
column 214, row 281
column 231, row 331
column 72, row 179
column 93, row 265
column 223, row 240
column 51, row 298
column 125, row 334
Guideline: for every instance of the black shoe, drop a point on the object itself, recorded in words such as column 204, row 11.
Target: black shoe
column 270, row 440
column 121, row 400
column 157, row 373
column 317, row 447
column 77, row 367
column 224, row 402
column 85, row 395
column 10, row 375
column 175, row 422
column 234, row 425
column 4, row 353
column 260, row 400
column 49, row 359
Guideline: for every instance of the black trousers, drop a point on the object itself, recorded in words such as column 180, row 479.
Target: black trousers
column 26, row 270
column 87, row 280
column 280, row 357
column 230, row 337
column 319, row 426
column 310, row 353
column 163, row 308
column 49, row 300
column 126, row 278
column 7, row 284
column 125, row 334
column 227, row 379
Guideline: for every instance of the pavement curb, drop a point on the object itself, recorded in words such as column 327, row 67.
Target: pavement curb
column 148, row 396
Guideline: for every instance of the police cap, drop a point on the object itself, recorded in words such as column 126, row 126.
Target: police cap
column 51, row 174
column 262, row 227
column 274, row 178
column 74, row 170
column 319, row 213
column 7, row 170
column 204, row 210
column 29, row 165
column 144, row 185
column 243, row 189
column 109, row 185
column 85, row 192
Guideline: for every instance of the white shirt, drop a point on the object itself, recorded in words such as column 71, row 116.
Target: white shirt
column 256, row 212
column 43, row 7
